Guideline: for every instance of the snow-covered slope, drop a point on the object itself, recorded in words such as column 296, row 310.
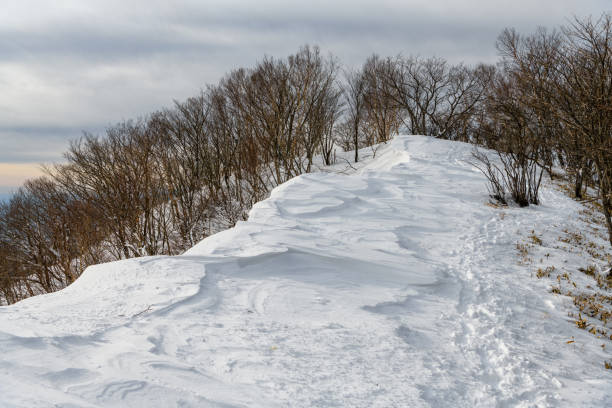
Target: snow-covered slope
column 395, row 286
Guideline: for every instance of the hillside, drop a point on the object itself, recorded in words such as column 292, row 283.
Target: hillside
column 393, row 286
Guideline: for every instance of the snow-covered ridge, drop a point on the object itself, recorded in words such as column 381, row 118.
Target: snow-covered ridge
column 391, row 287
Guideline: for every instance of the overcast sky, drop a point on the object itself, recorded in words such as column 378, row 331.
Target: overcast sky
column 69, row 66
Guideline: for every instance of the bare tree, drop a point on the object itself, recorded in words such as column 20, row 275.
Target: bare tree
column 584, row 97
column 354, row 96
column 119, row 176
column 185, row 161
column 382, row 113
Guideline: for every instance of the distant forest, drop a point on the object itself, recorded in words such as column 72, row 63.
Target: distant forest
column 161, row 183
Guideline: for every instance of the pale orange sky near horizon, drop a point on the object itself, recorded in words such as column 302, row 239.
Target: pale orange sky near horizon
column 14, row 174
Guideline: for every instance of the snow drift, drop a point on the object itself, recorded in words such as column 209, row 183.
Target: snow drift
column 391, row 287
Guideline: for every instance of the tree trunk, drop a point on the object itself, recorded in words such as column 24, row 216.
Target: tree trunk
column 607, row 210
column 578, row 184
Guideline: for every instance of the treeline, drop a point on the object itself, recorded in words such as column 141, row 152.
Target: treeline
column 160, row 184
column 550, row 104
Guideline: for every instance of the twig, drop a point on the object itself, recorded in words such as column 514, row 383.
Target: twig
column 590, row 200
column 144, row 311
column 349, row 163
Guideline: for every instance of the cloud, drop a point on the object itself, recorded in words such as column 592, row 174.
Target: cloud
column 68, row 66
column 36, row 144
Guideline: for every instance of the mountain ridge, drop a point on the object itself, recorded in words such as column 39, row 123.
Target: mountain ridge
column 392, row 286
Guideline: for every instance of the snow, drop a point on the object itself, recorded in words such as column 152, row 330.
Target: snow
column 395, row 286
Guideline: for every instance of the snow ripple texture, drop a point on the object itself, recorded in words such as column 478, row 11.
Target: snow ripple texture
column 391, row 287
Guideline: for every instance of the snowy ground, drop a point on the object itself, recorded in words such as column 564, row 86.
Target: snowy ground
column 395, row 286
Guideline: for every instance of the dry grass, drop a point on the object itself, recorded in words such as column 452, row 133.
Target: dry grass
column 545, row 273
column 585, row 237
column 535, row 239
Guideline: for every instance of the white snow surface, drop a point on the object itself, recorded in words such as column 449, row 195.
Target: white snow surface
column 395, row 286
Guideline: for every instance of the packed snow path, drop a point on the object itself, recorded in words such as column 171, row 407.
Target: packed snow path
column 392, row 287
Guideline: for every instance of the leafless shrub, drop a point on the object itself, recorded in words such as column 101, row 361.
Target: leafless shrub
column 564, row 83
column 494, row 175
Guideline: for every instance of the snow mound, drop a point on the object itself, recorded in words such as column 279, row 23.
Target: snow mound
column 391, row 287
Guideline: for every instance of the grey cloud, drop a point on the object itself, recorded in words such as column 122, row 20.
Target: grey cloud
column 183, row 33
column 92, row 63
column 38, row 144
column 94, row 44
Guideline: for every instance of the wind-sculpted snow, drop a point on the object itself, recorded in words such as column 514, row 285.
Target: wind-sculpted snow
column 391, row 287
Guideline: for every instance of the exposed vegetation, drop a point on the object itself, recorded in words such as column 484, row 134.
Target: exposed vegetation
column 551, row 103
